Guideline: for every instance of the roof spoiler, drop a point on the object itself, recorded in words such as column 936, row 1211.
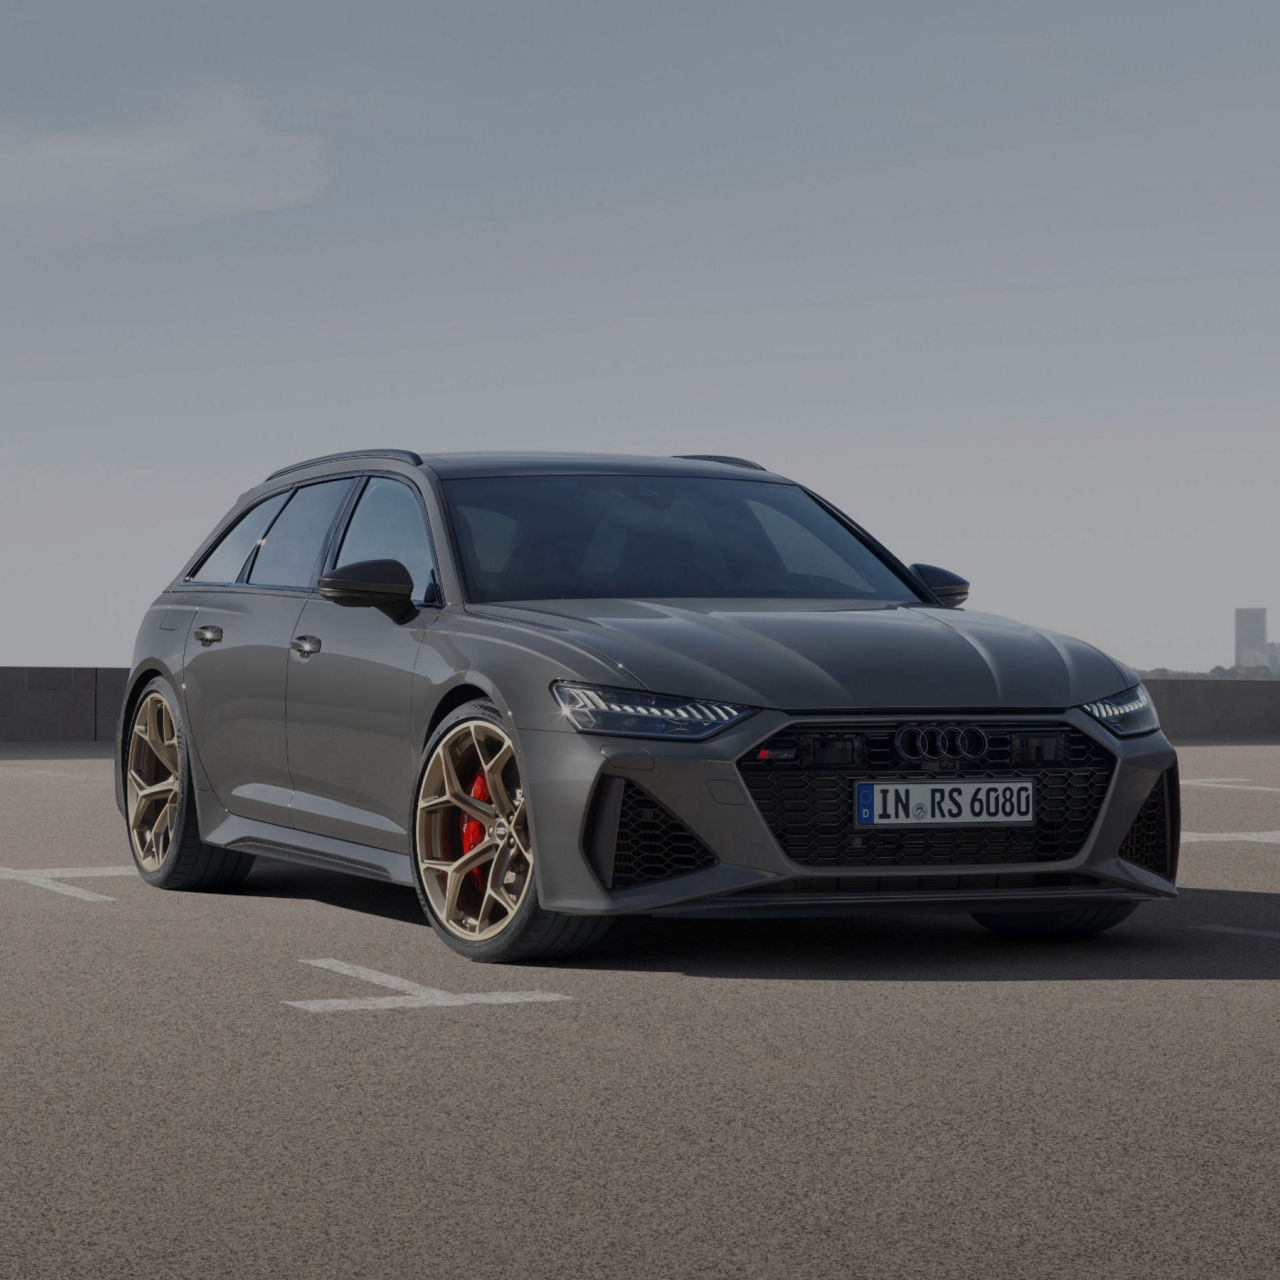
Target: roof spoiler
column 727, row 459
column 400, row 455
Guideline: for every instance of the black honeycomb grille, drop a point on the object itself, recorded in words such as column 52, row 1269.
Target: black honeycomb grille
column 1149, row 843
column 804, row 788
column 652, row 843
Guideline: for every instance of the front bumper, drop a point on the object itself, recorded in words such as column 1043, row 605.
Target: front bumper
column 578, row 783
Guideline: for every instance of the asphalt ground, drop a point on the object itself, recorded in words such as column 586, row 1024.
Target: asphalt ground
column 905, row 1097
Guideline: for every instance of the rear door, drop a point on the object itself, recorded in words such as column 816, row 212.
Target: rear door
column 235, row 668
column 353, row 752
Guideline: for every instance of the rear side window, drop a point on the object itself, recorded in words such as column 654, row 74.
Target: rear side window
column 388, row 524
column 291, row 550
column 224, row 562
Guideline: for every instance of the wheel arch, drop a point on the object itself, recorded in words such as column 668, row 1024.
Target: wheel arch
column 139, row 678
column 470, row 687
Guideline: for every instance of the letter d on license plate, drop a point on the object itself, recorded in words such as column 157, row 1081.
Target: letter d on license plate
column 1006, row 803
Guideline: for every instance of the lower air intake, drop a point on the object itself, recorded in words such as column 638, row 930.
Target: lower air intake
column 1152, row 842
column 652, row 842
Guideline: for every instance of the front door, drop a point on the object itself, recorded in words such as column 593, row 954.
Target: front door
column 353, row 752
column 235, row 668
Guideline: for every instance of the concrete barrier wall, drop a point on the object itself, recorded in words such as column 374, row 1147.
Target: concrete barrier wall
column 80, row 704
column 1218, row 710
column 60, row 704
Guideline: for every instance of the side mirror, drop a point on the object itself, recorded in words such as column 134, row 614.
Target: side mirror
column 377, row 584
column 949, row 587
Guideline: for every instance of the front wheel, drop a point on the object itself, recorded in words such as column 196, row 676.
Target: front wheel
column 1072, row 922
column 473, row 853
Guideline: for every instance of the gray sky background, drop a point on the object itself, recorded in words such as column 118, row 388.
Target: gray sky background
column 1001, row 279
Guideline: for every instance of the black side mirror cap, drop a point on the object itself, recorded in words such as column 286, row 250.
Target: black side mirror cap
column 377, row 584
column 949, row 587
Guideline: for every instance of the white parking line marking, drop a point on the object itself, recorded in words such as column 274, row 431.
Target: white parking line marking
column 1227, row 928
column 78, row 873
column 1231, row 837
column 1222, row 784
column 414, row 995
column 51, row 877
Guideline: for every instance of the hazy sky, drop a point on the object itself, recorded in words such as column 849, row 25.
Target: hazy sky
column 1001, row 279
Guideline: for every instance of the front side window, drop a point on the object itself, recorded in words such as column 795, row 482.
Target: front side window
column 388, row 524
column 227, row 559
column 638, row 536
column 292, row 548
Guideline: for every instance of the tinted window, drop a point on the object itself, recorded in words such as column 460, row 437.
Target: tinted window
column 802, row 551
column 224, row 562
column 583, row 536
column 293, row 544
column 388, row 524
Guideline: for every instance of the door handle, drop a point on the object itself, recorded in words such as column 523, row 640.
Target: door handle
column 208, row 635
column 305, row 645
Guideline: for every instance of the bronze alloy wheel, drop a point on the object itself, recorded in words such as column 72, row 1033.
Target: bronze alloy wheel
column 473, row 847
column 151, row 782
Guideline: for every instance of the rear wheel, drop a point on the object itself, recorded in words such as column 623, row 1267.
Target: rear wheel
column 160, row 809
column 1073, row 922
column 473, row 854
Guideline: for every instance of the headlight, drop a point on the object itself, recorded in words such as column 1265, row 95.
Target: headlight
column 633, row 714
column 1126, row 713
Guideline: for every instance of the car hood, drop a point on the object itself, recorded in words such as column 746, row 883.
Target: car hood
column 803, row 656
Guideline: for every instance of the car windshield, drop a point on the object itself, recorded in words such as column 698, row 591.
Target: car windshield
column 651, row 536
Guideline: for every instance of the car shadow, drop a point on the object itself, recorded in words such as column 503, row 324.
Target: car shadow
column 1182, row 940
column 272, row 879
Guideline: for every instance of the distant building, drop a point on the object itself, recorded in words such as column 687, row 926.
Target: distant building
column 1252, row 649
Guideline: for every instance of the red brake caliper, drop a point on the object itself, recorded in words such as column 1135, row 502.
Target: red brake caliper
column 473, row 829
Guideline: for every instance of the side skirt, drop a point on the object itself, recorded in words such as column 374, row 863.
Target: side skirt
column 250, row 836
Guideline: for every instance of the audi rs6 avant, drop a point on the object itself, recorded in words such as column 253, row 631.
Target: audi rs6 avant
column 547, row 690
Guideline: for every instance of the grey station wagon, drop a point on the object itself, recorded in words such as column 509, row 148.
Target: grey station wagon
column 550, row 689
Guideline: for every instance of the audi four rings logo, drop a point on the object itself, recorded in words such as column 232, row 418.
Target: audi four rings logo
column 948, row 742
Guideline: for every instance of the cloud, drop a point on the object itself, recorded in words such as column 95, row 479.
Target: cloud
column 209, row 152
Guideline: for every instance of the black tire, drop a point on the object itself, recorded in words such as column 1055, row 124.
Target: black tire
column 531, row 933
column 189, row 863
column 1072, row 922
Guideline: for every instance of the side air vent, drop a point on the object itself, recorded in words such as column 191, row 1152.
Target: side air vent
column 1152, row 842
column 634, row 839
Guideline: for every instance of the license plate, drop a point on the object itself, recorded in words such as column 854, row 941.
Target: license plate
column 1008, row 803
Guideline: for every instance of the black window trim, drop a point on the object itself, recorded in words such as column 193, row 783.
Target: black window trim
column 877, row 548
column 325, row 542
column 348, row 511
column 331, row 543
column 216, row 539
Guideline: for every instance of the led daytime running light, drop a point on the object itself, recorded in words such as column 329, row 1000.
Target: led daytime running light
column 634, row 713
column 1126, row 714
column 1136, row 699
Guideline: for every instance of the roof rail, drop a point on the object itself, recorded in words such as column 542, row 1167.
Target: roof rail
column 721, row 457
column 401, row 455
